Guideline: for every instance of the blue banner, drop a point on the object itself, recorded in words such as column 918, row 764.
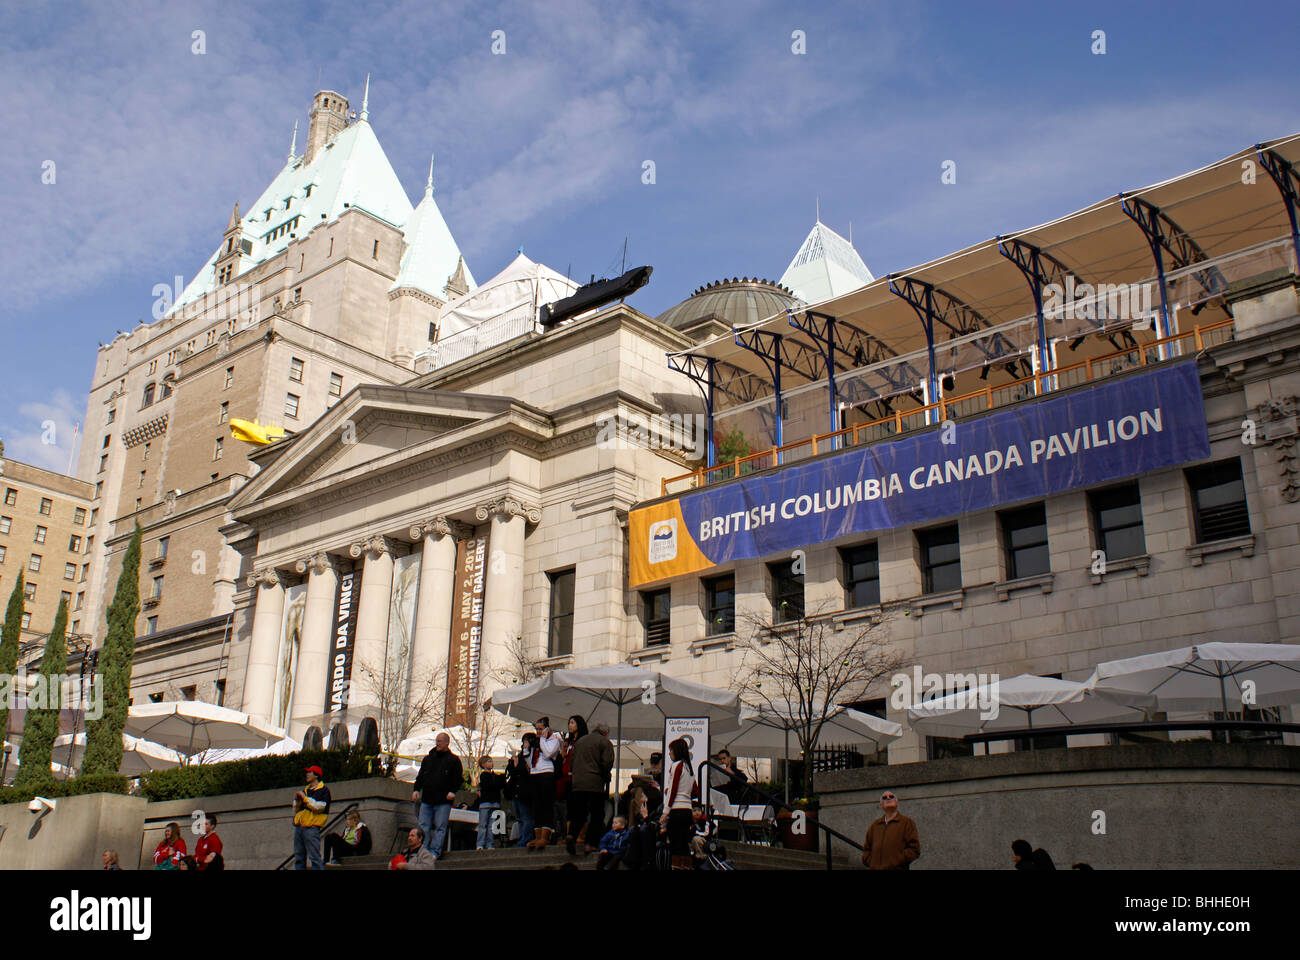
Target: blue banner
column 1116, row 429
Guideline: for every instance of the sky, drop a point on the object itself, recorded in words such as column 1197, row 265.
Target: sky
column 751, row 113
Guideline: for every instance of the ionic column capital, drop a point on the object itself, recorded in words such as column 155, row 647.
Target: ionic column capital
column 375, row 546
column 440, row 527
column 316, row 563
column 267, row 575
column 508, row 507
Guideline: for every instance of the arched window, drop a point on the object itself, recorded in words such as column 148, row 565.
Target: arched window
column 148, row 394
column 168, row 382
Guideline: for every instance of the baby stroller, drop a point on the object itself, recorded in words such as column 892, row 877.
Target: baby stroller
column 715, row 857
column 647, row 849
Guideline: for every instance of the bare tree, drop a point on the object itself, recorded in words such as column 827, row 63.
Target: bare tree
column 518, row 664
column 401, row 703
column 807, row 667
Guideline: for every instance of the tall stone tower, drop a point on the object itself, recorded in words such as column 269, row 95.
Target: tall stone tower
column 329, row 115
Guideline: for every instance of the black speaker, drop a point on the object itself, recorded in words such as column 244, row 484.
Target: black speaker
column 339, row 737
column 368, row 737
column 313, row 739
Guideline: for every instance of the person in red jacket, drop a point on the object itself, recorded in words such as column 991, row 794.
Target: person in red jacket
column 170, row 852
column 207, row 852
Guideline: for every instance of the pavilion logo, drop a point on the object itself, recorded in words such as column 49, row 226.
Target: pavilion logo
column 685, row 432
column 965, row 691
column 1103, row 301
column 663, row 541
column 77, row 914
column 23, row 691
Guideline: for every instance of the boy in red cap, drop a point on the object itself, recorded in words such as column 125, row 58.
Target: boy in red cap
column 311, row 807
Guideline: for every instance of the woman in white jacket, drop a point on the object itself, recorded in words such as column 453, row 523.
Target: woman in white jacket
column 541, row 780
column 678, row 794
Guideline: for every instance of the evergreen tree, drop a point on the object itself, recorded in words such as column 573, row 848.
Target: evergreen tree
column 41, row 723
column 9, row 645
column 104, row 736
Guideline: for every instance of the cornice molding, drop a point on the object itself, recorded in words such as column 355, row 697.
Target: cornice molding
column 267, row 576
column 375, row 547
column 508, row 507
column 316, row 563
column 439, row 527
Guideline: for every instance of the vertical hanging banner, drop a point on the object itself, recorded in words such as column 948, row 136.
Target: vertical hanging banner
column 401, row 629
column 344, row 632
column 466, row 632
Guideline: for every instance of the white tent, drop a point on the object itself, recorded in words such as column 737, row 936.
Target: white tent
column 1208, row 676
column 192, row 726
column 138, row 756
column 522, row 286
column 1019, row 703
column 278, row 749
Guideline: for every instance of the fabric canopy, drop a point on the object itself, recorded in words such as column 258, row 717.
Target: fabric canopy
column 192, row 726
column 1208, row 676
column 1021, row 702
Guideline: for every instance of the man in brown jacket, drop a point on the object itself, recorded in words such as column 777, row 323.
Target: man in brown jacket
column 892, row 842
column 593, row 759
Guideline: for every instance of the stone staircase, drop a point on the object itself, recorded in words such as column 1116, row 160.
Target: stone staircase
column 745, row 856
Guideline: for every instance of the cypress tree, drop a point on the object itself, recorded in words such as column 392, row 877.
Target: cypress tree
column 9, row 637
column 104, row 736
column 41, row 724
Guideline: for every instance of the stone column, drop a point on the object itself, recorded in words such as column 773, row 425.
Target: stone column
column 503, row 594
column 432, row 639
column 268, row 617
column 371, row 643
column 314, row 656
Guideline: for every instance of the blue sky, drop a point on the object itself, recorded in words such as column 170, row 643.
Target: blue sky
column 543, row 147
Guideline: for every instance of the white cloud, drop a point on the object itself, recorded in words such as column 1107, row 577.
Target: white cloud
column 43, row 432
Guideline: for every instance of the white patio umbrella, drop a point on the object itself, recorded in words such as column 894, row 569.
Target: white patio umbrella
column 1199, row 678
column 765, row 730
column 278, row 749
column 633, row 700
column 138, row 756
column 1019, row 701
column 192, row 726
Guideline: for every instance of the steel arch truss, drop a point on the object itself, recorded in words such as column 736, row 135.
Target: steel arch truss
column 1288, row 184
column 1166, row 237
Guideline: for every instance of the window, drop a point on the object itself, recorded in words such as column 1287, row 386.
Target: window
column 27, row 621
column 861, row 576
column 720, row 605
column 374, row 253
column 1024, row 537
column 188, row 693
column 94, row 516
column 787, row 592
column 90, row 544
column 148, row 395
column 140, row 484
column 940, row 559
column 34, row 563
column 5, row 524
column 560, row 637
column 1117, row 517
column 336, row 384
column 2, row 554
column 157, row 587
column 76, row 626
column 230, row 378
column 433, row 332
column 85, row 572
column 169, row 381
column 29, row 591
column 295, row 370
column 223, row 413
column 112, row 414
column 79, row 516
column 163, row 543
column 216, row 450
column 74, row 543
column 99, row 488
column 11, row 497
column 69, row 571
column 108, row 438
column 221, row 693
column 40, row 535
column 65, row 597
column 46, row 506
column 147, row 448
column 151, row 627
column 103, row 464
column 291, row 405
column 81, row 598
column 656, row 608
column 1219, row 499
column 155, row 697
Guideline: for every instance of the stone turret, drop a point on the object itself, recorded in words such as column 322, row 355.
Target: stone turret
column 329, row 115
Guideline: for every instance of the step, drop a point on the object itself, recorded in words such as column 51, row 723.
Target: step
column 745, row 857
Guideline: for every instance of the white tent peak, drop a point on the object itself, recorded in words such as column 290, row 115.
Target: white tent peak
column 826, row 266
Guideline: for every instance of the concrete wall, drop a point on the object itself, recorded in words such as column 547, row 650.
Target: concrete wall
column 256, row 829
column 1184, row 806
column 73, row 836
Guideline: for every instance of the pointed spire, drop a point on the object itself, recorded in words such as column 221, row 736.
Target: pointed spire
column 428, row 185
column 293, row 144
column 819, row 209
column 365, row 101
column 850, row 233
column 234, row 218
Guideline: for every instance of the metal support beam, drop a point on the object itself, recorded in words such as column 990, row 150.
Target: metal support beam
column 1163, row 234
column 1287, row 180
column 920, row 295
column 820, row 327
column 1039, row 268
column 701, row 371
column 768, row 348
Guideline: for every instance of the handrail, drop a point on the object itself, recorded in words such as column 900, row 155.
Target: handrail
column 1035, row 381
column 782, row 805
column 337, row 817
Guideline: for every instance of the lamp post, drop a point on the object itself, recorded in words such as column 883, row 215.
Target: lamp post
column 91, row 657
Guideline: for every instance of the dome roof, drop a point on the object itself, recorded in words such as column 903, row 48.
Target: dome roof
column 738, row 302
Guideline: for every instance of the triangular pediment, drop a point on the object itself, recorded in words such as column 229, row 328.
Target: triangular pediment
column 370, row 424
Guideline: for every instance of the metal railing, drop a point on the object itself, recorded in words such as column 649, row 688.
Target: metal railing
column 338, row 817
column 963, row 405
